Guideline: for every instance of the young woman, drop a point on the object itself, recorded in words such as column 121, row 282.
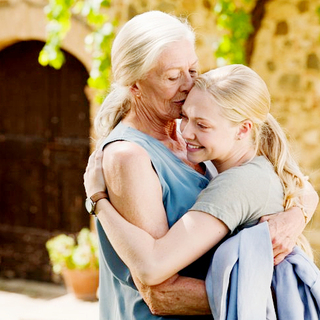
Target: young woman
column 225, row 119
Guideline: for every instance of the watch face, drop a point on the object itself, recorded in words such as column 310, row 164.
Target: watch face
column 89, row 205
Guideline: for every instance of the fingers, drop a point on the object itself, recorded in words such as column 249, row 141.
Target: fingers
column 91, row 161
column 282, row 244
column 264, row 218
column 95, row 160
column 278, row 259
column 93, row 178
column 98, row 156
column 281, row 248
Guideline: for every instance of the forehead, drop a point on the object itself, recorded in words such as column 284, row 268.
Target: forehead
column 178, row 55
column 198, row 98
column 200, row 104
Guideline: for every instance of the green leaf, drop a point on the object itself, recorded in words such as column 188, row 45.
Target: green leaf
column 98, row 43
column 236, row 26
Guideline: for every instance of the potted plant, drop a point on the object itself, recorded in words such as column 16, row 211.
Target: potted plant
column 77, row 260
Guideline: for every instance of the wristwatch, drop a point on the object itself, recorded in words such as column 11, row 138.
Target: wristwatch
column 91, row 202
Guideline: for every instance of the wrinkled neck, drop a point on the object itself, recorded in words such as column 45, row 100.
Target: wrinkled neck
column 156, row 123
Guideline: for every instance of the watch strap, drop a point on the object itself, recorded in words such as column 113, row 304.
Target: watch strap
column 98, row 196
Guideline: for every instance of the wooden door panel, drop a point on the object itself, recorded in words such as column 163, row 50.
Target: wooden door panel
column 44, row 147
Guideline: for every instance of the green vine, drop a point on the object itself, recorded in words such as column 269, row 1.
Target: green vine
column 98, row 42
column 235, row 22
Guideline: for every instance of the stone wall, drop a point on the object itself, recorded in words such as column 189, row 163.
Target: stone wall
column 286, row 54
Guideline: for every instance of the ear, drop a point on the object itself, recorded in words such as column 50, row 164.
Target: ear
column 244, row 129
column 135, row 91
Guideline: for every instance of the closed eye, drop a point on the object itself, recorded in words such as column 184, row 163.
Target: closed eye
column 193, row 72
column 202, row 126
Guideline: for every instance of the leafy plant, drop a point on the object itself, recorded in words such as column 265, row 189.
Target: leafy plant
column 235, row 22
column 73, row 253
column 98, row 42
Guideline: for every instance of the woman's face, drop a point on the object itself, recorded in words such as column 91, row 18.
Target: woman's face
column 167, row 85
column 208, row 135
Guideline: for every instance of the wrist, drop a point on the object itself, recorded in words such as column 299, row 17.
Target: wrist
column 91, row 202
column 304, row 213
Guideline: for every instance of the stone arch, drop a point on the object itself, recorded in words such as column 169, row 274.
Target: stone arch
column 25, row 20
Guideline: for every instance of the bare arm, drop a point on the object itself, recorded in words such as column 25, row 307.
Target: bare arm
column 135, row 191
column 155, row 260
column 285, row 227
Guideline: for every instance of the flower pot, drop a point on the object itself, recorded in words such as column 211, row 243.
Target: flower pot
column 82, row 283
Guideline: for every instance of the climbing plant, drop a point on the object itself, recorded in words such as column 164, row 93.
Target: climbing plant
column 234, row 21
column 98, row 42
column 233, row 18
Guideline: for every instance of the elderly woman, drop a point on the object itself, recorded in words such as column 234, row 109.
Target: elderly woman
column 147, row 171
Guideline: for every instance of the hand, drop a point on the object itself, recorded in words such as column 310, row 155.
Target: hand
column 285, row 228
column 93, row 176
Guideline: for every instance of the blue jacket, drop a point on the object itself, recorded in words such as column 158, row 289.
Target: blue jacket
column 241, row 273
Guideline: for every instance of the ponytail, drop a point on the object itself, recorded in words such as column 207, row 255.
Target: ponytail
column 113, row 109
column 274, row 146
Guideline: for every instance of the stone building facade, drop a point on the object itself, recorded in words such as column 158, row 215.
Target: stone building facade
column 285, row 52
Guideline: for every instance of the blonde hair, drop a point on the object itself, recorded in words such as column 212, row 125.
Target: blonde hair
column 134, row 53
column 243, row 95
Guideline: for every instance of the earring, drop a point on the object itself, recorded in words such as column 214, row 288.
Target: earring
column 138, row 95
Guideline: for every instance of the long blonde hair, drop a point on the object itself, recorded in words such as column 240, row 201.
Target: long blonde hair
column 134, row 53
column 242, row 94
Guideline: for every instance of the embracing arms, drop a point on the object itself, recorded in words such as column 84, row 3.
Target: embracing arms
column 153, row 255
column 155, row 260
column 135, row 192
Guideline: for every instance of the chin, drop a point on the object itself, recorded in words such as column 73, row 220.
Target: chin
column 193, row 160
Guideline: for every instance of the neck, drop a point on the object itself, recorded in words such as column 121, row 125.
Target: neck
column 160, row 127
column 234, row 161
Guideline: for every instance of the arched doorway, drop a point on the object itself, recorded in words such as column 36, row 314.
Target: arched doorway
column 44, row 147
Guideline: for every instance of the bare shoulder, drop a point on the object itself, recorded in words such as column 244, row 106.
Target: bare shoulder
column 125, row 152
column 125, row 155
column 134, row 186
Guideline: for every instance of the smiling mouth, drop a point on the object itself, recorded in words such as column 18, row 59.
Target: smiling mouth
column 193, row 147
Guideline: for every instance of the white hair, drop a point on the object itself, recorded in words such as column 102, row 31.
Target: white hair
column 134, row 53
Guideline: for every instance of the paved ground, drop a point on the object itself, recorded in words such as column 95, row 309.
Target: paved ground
column 29, row 300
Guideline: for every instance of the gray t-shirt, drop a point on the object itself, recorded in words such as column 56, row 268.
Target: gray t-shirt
column 241, row 195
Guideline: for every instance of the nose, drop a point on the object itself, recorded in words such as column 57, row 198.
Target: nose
column 188, row 82
column 186, row 130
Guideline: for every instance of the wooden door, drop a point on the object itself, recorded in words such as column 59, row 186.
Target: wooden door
column 44, row 147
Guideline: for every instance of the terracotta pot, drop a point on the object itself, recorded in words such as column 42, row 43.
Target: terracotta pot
column 83, row 283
